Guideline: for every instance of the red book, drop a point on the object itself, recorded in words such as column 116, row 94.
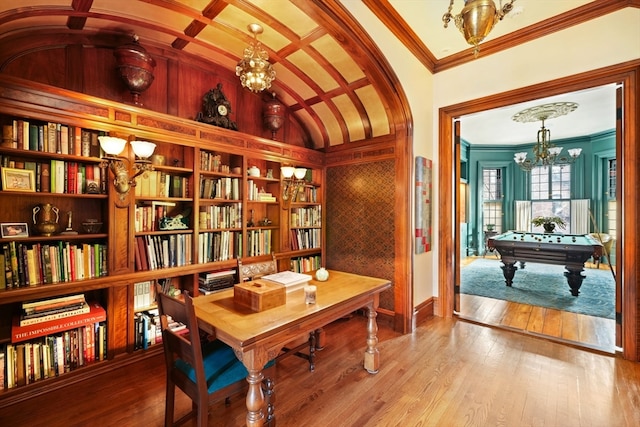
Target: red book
column 23, row 333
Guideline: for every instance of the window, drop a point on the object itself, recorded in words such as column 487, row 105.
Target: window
column 492, row 199
column 551, row 193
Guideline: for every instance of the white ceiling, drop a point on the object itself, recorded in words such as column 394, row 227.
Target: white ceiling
column 595, row 113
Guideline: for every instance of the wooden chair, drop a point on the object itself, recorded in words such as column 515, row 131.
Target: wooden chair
column 262, row 267
column 205, row 370
column 607, row 243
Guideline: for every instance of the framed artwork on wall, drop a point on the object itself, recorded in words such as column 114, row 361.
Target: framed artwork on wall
column 423, row 215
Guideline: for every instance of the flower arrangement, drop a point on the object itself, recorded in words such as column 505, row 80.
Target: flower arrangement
column 547, row 221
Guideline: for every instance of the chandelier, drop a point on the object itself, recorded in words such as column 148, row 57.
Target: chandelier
column 545, row 152
column 254, row 69
column 476, row 19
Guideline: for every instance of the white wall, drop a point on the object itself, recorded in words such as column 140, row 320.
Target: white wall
column 417, row 82
column 608, row 40
column 601, row 42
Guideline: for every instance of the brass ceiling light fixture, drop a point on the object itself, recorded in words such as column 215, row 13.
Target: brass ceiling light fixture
column 254, row 69
column 476, row 20
column 545, row 152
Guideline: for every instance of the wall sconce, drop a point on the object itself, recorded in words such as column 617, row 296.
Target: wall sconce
column 119, row 165
column 293, row 182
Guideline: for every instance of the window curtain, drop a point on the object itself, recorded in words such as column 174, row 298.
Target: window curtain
column 580, row 216
column 523, row 215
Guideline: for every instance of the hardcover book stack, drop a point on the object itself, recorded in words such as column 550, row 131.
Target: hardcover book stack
column 216, row 280
column 52, row 337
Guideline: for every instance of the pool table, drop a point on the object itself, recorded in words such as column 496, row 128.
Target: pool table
column 569, row 250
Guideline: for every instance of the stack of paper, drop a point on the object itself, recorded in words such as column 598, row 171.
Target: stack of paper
column 291, row 280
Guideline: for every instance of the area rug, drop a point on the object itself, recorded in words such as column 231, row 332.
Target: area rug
column 542, row 285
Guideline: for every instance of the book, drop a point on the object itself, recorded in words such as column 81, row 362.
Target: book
column 20, row 333
column 54, row 301
column 81, row 309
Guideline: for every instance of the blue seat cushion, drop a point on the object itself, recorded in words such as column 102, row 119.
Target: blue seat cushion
column 221, row 366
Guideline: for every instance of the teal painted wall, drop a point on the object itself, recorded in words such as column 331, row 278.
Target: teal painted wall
column 589, row 179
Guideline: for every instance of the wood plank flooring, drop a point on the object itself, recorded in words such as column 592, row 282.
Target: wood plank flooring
column 577, row 329
column 448, row 372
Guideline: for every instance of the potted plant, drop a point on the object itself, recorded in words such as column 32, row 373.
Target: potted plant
column 549, row 223
column 491, row 227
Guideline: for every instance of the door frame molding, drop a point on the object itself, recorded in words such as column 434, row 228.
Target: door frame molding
column 627, row 253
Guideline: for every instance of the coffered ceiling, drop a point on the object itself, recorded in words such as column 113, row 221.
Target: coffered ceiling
column 329, row 72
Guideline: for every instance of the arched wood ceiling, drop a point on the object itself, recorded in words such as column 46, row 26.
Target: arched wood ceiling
column 330, row 75
column 333, row 78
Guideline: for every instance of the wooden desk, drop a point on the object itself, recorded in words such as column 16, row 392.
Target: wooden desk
column 259, row 337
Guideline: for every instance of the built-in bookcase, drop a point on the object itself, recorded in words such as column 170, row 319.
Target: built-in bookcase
column 199, row 209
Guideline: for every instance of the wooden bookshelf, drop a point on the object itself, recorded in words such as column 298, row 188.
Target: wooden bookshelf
column 188, row 154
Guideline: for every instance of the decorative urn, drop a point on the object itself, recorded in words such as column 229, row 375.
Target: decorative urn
column 273, row 115
column 45, row 219
column 136, row 67
column 322, row 274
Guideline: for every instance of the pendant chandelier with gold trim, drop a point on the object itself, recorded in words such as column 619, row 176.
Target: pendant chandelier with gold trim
column 545, row 152
column 254, row 69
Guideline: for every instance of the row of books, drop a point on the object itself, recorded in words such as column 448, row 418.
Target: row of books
column 224, row 188
column 153, row 252
column 221, row 216
column 304, row 264
column 144, row 294
column 148, row 214
column 212, row 162
column 259, row 242
column 40, row 263
column 51, row 138
column 58, row 176
column 307, row 194
column 161, row 184
column 219, row 246
column 52, row 355
column 258, row 193
column 306, row 217
column 306, row 238
column 147, row 329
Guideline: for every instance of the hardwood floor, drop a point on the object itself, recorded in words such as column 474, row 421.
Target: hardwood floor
column 448, row 372
column 587, row 331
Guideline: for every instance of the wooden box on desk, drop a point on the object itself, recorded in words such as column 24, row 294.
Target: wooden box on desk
column 259, row 295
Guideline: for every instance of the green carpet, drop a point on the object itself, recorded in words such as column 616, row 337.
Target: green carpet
column 542, row 285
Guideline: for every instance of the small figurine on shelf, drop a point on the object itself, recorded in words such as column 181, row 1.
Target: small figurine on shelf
column 265, row 221
column 250, row 222
column 69, row 229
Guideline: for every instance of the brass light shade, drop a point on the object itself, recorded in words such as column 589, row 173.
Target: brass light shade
column 254, row 69
column 477, row 19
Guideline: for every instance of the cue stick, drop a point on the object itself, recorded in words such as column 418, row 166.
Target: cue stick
column 595, row 227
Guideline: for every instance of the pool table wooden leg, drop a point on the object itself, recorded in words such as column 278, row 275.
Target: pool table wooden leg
column 509, row 270
column 575, row 278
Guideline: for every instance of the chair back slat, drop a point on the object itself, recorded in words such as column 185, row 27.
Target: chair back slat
column 256, row 269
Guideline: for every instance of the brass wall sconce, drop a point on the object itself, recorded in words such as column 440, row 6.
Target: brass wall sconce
column 113, row 146
column 293, row 182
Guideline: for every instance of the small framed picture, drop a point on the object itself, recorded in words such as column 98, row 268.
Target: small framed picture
column 14, row 229
column 18, row 179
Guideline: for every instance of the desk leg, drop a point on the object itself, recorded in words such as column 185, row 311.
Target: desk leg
column 509, row 270
column 575, row 278
column 372, row 355
column 255, row 399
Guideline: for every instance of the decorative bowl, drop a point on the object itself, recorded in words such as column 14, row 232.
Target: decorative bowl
column 91, row 226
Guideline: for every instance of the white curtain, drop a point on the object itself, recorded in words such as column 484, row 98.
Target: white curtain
column 580, row 216
column 523, row 215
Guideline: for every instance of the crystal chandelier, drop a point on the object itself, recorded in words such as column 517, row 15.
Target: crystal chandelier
column 254, row 69
column 476, row 19
column 545, row 152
